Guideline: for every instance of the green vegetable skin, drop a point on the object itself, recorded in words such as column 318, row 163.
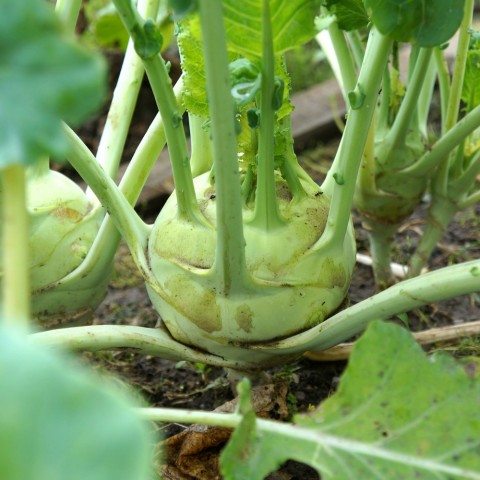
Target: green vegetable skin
column 63, row 226
column 293, row 285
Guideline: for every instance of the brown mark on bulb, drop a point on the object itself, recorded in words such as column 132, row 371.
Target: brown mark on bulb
column 244, row 318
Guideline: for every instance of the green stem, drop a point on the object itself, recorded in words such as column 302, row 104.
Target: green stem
column 460, row 186
column 342, row 177
column 440, row 179
column 150, row 341
column 123, row 102
column 267, row 215
column 201, row 158
column 68, row 11
column 383, row 118
column 130, row 225
column 303, row 441
column 339, row 57
column 470, row 200
column 425, row 98
column 443, row 76
column 101, row 253
column 440, row 214
column 446, row 144
column 381, row 238
column 230, row 264
column 15, row 248
column 148, row 47
column 425, row 289
column 402, row 124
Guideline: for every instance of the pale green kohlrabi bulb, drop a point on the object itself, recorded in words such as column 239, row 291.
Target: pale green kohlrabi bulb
column 63, row 226
column 294, row 286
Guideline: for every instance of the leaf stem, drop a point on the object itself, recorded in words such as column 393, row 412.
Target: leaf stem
column 123, row 102
column 148, row 45
column 304, row 441
column 342, row 176
column 15, row 248
column 68, row 11
column 230, row 264
column 402, row 123
column 267, row 215
column 440, row 179
column 441, row 284
column 451, row 139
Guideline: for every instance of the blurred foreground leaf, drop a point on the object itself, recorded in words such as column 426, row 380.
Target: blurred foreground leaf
column 44, row 78
column 397, row 414
column 59, row 423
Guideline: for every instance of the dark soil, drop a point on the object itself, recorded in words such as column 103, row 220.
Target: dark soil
column 164, row 383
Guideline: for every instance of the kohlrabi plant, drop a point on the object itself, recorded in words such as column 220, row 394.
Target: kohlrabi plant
column 249, row 261
column 401, row 160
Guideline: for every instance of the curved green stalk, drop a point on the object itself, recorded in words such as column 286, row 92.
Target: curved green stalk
column 68, row 11
column 470, row 200
column 339, row 57
column 342, row 177
column 131, row 226
column 406, row 113
column 16, row 271
column 150, row 341
column 446, row 144
column 101, row 253
column 201, row 158
column 443, row 76
column 425, row 97
column 266, row 215
column 440, row 179
column 123, row 102
column 230, row 265
column 148, row 45
column 428, row 288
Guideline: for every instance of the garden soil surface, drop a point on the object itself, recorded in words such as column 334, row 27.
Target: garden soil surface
column 192, row 453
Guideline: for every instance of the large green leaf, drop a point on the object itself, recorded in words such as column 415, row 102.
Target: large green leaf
column 397, row 414
column 426, row 22
column 350, row 14
column 471, row 82
column 57, row 422
column 292, row 25
column 44, row 78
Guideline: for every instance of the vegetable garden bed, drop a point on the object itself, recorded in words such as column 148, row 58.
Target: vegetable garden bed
column 238, row 299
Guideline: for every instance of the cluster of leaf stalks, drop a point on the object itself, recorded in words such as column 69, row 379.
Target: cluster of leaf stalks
column 357, row 432
column 404, row 160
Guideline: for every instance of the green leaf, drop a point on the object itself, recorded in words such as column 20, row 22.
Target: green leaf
column 58, row 422
column 45, row 78
column 292, row 25
column 105, row 27
column 397, row 414
column 246, row 443
column 350, row 14
column 471, row 82
column 427, row 22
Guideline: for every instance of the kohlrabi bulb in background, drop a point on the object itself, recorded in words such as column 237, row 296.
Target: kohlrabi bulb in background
column 63, row 226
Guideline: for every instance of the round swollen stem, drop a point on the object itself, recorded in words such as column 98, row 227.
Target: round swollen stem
column 230, row 264
column 16, row 273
